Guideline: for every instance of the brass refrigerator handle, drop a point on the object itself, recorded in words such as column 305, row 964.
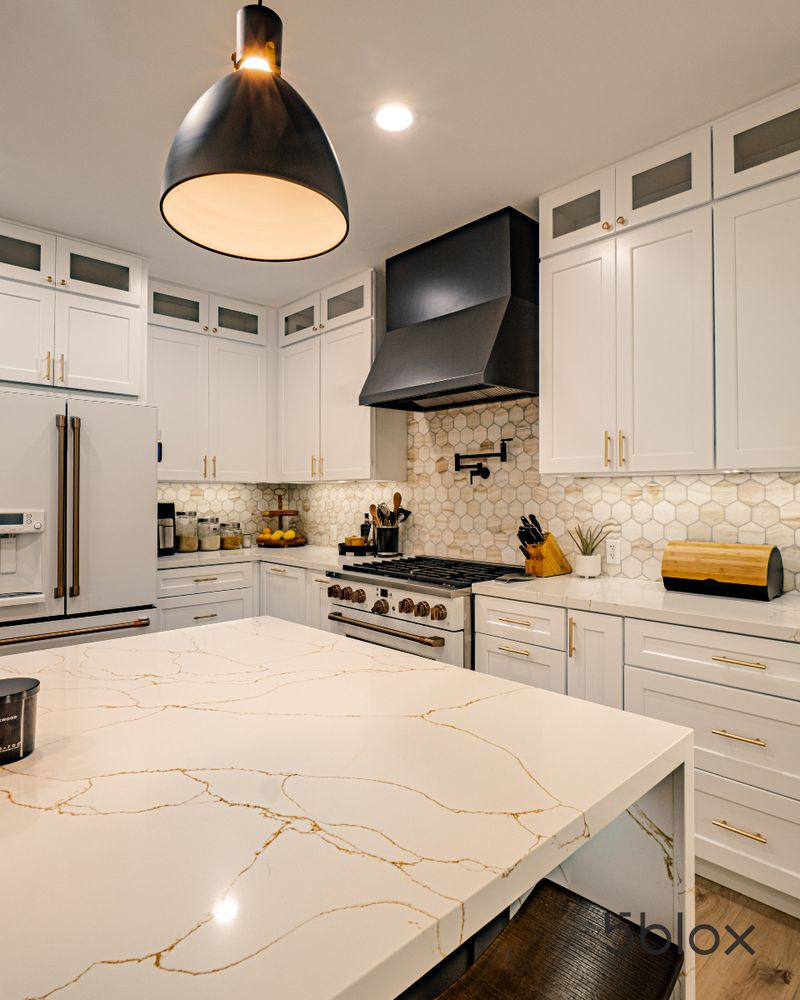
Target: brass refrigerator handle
column 67, row 633
column 75, row 589
column 61, row 424
column 423, row 640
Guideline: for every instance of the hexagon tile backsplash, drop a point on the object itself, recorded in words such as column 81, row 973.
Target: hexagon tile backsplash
column 479, row 521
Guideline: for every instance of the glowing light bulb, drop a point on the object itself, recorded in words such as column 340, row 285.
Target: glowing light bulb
column 256, row 62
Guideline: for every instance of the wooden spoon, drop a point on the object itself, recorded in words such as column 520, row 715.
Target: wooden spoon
column 373, row 511
column 396, row 499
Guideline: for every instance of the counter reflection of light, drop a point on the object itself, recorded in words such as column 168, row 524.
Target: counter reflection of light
column 225, row 911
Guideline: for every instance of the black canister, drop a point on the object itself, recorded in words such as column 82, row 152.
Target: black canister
column 18, row 696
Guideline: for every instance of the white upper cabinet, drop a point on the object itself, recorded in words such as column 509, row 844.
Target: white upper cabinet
column 299, row 320
column 298, row 412
column 345, row 302
column 96, row 271
column 238, row 412
column 577, row 360
column 177, row 307
column 345, row 427
column 757, row 263
column 27, row 254
column 27, row 321
column 97, row 345
column 668, row 178
column 665, row 345
column 577, row 213
column 759, row 144
column 236, row 320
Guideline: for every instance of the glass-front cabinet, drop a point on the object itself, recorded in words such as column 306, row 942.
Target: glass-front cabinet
column 298, row 320
column 96, row 271
column 177, row 307
column 237, row 320
column 346, row 302
column 577, row 213
column 27, row 254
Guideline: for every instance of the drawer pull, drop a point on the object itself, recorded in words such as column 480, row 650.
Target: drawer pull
column 510, row 649
column 316, row 580
column 752, row 740
column 202, row 618
column 739, row 663
column 275, row 569
column 514, row 621
column 724, row 825
column 205, row 579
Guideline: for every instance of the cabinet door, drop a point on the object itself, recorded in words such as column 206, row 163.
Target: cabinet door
column 237, row 412
column 236, row 320
column 577, row 213
column 299, row 319
column 757, row 262
column 27, row 321
column 669, row 178
column 759, row 144
column 178, row 387
column 577, row 369
column 27, row 254
column 97, row 271
column 594, row 658
column 521, row 662
column 298, row 411
column 98, row 345
column 345, row 427
column 317, row 601
column 177, row 307
column 665, row 346
column 346, row 302
column 283, row 592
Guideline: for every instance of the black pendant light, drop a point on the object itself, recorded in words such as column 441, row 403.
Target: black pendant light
column 251, row 172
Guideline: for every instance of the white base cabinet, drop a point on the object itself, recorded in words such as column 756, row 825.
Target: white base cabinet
column 521, row 662
column 317, row 601
column 594, row 658
column 282, row 592
column 208, row 609
column 203, row 595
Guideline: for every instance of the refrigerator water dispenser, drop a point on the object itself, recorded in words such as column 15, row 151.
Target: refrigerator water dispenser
column 21, row 557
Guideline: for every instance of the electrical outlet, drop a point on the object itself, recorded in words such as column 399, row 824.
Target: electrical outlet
column 334, row 535
column 613, row 555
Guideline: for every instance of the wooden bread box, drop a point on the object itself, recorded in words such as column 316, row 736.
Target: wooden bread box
column 725, row 570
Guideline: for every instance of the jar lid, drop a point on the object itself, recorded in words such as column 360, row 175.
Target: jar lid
column 207, row 520
column 186, row 513
column 231, row 524
column 14, row 688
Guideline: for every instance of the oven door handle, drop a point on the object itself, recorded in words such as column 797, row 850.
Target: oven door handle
column 423, row 640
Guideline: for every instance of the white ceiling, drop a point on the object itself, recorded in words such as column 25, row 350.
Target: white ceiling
column 513, row 97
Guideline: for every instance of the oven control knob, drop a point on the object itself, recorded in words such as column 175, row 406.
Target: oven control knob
column 335, row 591
column 347, row 593
column 422, row 610
column 406, row 606
column 438, row 612
column 359, row 596
column 380, row 607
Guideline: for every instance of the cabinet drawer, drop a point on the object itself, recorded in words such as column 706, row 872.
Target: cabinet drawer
column 535, row 623
column 765, row 665
column 749, row 737
column 204, row 579
column 521, row 662
column 750, row 811
column 207, row 609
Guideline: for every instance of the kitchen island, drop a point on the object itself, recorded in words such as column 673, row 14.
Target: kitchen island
column 261, row 809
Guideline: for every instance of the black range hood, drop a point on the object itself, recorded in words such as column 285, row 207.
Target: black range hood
column 461, row 318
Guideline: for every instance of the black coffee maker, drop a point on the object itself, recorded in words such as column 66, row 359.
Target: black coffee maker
column 166, row 529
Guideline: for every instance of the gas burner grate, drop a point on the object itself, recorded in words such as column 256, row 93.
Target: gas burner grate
column 453, row 574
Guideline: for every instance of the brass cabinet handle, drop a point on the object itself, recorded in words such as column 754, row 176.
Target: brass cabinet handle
column 754, row 664
column 321, row 581
column 62, row 363
column 202, row 618
column 47, row 372
column 510, row 649
column 17, row 640
column 61, row 557
column 313, row 466
column 205, row 579
column 514, row 621
column 276, row 569
column 205, row 466
column 752, row 740
column 621, row 220
column 214, row 467
column 724, row 825
column 321, row 460
column 423, row 640
column 620, row 447
column 606, row 447
column 571, row 644
column 606, row 226
column 75, row 589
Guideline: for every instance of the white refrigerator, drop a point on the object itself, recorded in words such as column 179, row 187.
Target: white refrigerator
column 77, row 519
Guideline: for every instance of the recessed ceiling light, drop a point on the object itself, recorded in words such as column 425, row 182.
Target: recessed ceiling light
column 394, row 117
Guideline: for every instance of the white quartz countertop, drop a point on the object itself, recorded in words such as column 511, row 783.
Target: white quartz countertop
column 318, row 557
column 259, row 809
column 778, row 619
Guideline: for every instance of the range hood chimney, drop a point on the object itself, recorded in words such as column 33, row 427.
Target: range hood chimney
column 461, row 319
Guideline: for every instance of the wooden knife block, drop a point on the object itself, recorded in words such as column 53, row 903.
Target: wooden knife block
column 546, row 559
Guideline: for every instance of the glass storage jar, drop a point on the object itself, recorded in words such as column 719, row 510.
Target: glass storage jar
column 208, row 533
column 186, row 531
column 231, row 535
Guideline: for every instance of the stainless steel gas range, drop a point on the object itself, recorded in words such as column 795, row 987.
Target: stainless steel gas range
column 417, row 604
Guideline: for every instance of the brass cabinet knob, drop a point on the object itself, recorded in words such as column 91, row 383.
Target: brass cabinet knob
column 335, row 591
column 380, row 607
column 359, row 596
column 213, row 329
column 50, row 279
column 606, row 226
column 347, row 593
column 422, row 610
column 406, row 606
column 63, row 282
column 621, row 220
column 438, row 612
column 205, row 329
column 314, row 328
column 322, row 326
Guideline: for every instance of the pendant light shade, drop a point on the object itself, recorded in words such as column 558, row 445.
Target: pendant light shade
column 251, row 172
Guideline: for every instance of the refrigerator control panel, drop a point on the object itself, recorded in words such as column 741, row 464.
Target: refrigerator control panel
column 21, row 522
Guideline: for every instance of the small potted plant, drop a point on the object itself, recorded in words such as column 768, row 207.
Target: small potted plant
column 588, row 562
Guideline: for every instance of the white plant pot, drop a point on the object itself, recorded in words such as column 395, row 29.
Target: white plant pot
column 587, row 566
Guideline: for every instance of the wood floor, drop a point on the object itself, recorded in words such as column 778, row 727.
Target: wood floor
column 772, row 973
